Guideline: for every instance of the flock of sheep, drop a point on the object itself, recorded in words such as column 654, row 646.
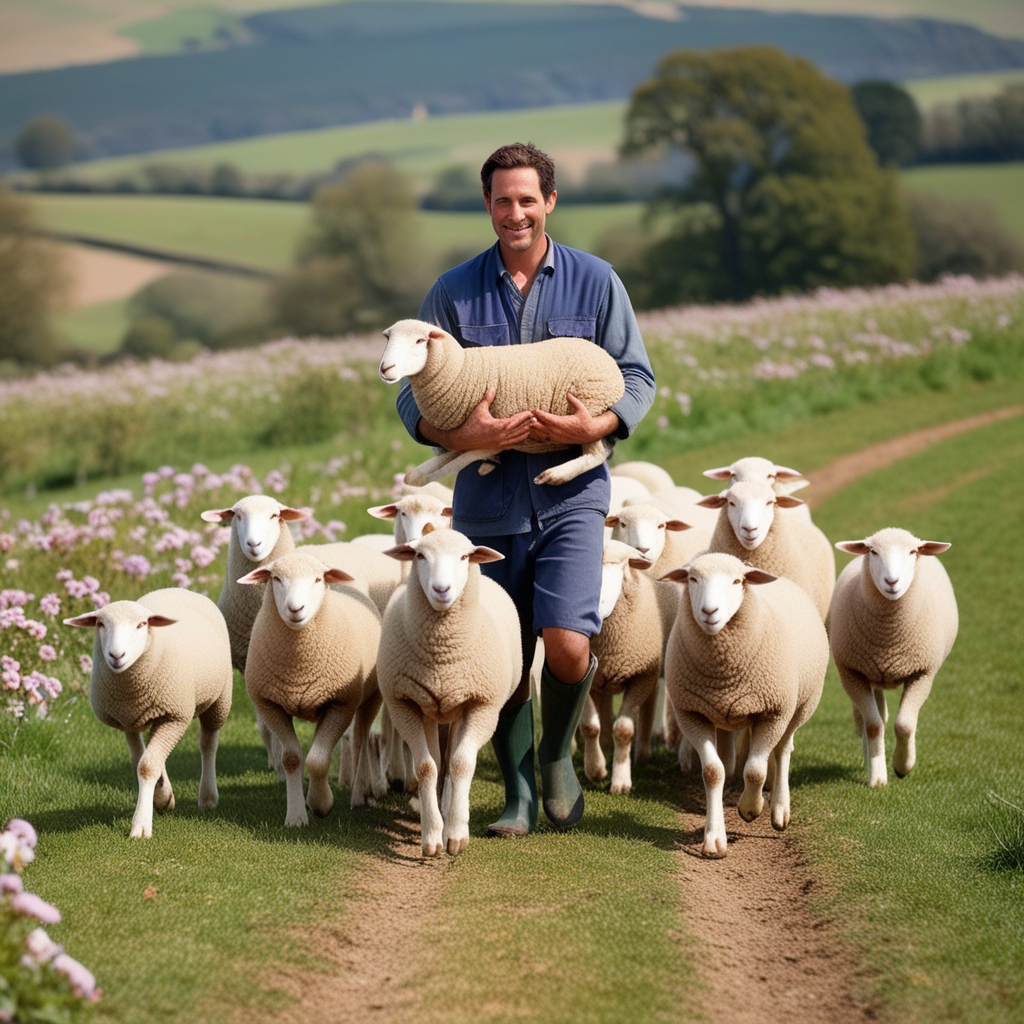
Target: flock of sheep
column 730, row 598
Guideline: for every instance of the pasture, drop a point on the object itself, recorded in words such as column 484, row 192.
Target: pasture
column 227, row 915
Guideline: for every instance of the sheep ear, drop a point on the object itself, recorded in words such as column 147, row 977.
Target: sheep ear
column 640, row 563
column 677, row 525
column 428, row 528
column 448, row 512
column 217, row 515
column 612, row 521
column 435, row 335
column 675, row 576
column 337, row 576
column 785, row 473
column 295, row 513
column 383, row 511
column 933, row 547
column 482, row 554
column 787, row 501
column 759, row 576
column 161, row 620
column 403, row 552
column 722, row 473
column 87, row 621
column 260, row 575
column 713, row 501
column 853, row 547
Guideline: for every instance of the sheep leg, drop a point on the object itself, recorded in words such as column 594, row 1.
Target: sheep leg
column 273, row 746
column 163, row 738
column 725, row 744
column 915, row 693
column 281, row 725
column 605, row 711
column 208, row 740
column 859, row 690
column 414, row 728
column 472, row 731
column 593, row 455
column 368, row 784
column 136, row 748
column 701, row 734
column 346, row 770
column 764, row 736
column 445, row 464
column 329, row 729
column 594, row 764
column 780, row 783
column 645, row 726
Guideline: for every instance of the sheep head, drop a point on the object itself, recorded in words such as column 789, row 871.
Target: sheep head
column 617, row 560
column 412, row 513
column 300, row 582
column 122, row 630
column 405, row 353
column 643, row 527
column 891, row 558
column 715, row 584
column 753, row 469
column 256, row 523
column 751, row 510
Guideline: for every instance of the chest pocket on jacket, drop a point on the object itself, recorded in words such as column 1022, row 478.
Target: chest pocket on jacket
column 572, row 327
column 486, row 334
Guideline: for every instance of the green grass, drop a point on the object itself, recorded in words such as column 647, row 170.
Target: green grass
column 252, row 231
column 195, row 28
column 420, row 148
column 98, row 328
column 930, row 92
column 999, row 185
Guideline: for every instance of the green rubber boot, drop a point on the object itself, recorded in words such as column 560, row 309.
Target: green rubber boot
column 560, row 709
column 513, row 747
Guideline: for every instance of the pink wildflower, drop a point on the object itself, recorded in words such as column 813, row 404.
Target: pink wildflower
column 31, row 905
column 50, row 604
column 85, row 662
column 36, row 630
column 136, row 565
column 10, row 883
column 23, row 830
column 47, row 653
column 83, row 982
column 100, row 600
column 202, row 556
column 42, row 949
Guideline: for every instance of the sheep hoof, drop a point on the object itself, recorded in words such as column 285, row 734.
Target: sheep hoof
column 432, row 850
column 140, row 832
column 621, row 787
column 714, row 848
column 208, row 802
column 780, row 821
column 416, row 479
column 296, row 820
column 548, row 477
column 456, row 846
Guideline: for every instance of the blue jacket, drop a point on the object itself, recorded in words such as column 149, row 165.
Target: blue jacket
column 574, row 295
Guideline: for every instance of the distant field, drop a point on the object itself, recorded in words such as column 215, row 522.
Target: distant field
column 98, row 328
column 999, row 185
column 574, row 135
column 928, row 92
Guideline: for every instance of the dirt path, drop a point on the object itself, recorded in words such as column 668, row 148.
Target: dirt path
column 833, row 477
column 370, row 953
column 98, row 276
column 766, row 956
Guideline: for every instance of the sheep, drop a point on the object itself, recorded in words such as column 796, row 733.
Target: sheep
column 448, row 382
column 739, row 657
column 628, row 651
column 368, row 570
column 892, row 622
column 434, row 489
column 748, row 528
column 652, row 476
column 679, row 503
column 753, row 468
column 450, row 652
column 312, row 655
column 157, row 663
column 625, row 489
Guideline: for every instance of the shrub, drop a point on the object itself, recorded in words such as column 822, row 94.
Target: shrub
column 45, row 141
column 148, row 337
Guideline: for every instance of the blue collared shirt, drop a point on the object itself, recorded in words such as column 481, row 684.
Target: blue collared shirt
column 574, row 294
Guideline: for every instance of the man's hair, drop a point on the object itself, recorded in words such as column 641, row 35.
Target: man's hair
column 520, row 154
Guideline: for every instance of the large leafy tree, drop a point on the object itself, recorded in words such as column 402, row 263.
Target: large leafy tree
column 785, row 193
column 892, row 120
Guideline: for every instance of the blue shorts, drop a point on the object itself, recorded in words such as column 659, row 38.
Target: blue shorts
column 552, row 573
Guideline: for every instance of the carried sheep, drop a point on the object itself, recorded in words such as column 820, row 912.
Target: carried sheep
column 892, row 622
column 783, row 545
column 158, row 663
column 747, row 650
column 312, row 655
column 628, row 650
column 450, row 652
column 448, row 382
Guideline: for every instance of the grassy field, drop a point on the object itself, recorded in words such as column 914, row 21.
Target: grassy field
column 98, row 328
column 929, row 92
column 999, row 185
column 908, row 871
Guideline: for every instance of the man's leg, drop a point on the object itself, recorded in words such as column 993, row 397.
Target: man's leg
column 567, row 589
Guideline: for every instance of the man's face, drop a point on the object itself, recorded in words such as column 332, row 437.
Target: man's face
column 518, row 209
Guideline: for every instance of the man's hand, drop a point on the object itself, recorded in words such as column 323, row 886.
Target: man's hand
column 579, row 427
column 482, row 430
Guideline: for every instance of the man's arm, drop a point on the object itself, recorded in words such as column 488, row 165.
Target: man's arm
column 481, row 429
column 619, row 335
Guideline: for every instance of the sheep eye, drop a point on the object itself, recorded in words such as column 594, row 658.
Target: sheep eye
column 99, row 623
column 275, row 515
column 465, row 558
column 422, row 557
column 421, row 341
column 140, row 625
column 661, row 526
column 319, row 579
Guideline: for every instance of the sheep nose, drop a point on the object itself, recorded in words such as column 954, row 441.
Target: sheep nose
column 294, row 610
column 643, row 551
column 441, row 591
column 709, row 611
column 892, row 581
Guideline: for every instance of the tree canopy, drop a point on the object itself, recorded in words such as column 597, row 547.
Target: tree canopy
column 793, row 195
column 892, row 120
column 44, row 142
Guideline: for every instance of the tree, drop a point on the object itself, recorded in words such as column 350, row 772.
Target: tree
column 31, row 280
column 792, row 195
column 360, row 267
column 44, row 142
column 892, row 120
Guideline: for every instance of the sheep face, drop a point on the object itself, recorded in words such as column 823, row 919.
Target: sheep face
column 442, row 559
column 300, row 582
column 892, row 556
column 751, row 510
column 643, row 527
column 405, row 354
column 123, row 631
column 715, row 584
column 256, row 522
column 411, row 515
column 617, row 560
column 752, row 469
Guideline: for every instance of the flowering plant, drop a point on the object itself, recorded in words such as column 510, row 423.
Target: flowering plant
column 38, row 980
